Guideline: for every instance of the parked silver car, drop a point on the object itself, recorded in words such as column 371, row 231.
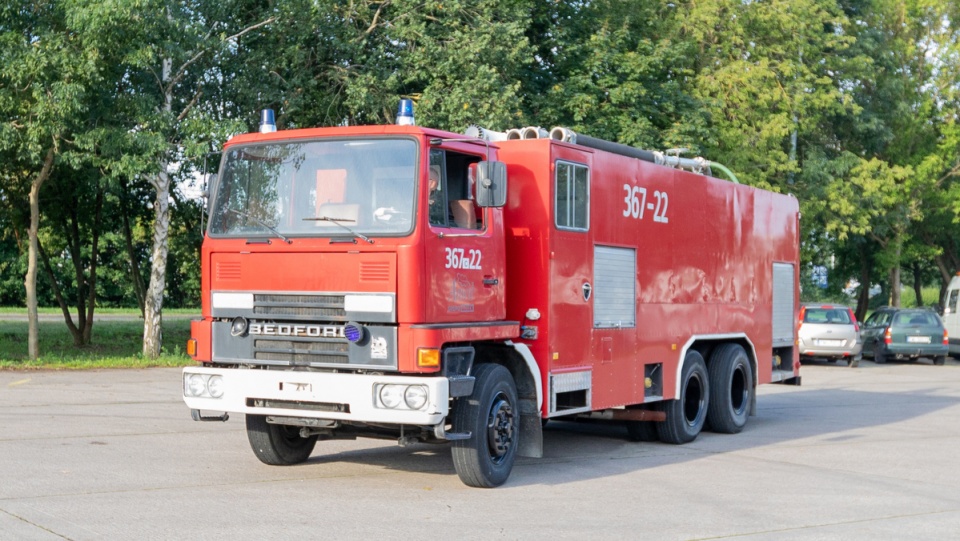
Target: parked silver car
column 831, row 332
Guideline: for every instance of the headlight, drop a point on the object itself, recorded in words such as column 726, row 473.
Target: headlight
column 415, row 396
column 391, row 395
column 203, row 385
column 196, row 385
column 215, row 386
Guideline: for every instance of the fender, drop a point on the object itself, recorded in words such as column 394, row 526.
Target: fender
column 532, row 366
column 714, row 337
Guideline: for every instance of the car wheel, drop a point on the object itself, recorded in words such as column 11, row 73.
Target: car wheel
column 879, row 357
column 940, row 360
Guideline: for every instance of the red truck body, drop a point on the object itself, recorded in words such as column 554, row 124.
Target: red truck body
column 604, row 285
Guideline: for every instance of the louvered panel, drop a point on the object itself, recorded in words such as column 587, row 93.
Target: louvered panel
column 228, row 271
column 375, row 271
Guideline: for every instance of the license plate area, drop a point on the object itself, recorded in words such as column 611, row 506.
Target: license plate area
column 829, row 342
column 918, row 339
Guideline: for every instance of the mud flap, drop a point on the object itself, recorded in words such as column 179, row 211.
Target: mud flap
column 531, row 436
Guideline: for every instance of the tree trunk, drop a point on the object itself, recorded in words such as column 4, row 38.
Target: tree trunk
column 33, row 318
column 895, row 286
column 131, row 253
column 92, row 277
column 917, row 284
column 863, row 297
column 153, row 308
column 58, row 294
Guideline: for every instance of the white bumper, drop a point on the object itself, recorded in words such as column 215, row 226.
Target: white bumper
column 317, row 395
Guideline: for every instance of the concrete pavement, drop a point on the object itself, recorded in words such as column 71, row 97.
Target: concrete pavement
column 865, row 453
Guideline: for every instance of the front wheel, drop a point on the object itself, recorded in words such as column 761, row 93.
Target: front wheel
column 278, row 445
column 492, row 416
column 687, row 414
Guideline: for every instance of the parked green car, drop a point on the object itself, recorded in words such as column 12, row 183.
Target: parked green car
column 900, row 333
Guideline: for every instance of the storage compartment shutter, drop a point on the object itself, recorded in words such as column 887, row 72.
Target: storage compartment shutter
column 783, row 309
column 614, row 288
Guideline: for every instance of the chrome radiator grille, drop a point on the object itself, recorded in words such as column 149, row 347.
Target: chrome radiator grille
column 329, row 307
column 302, row 351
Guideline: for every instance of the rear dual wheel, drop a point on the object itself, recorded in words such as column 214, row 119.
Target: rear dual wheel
column 731, row 385
column 686, row 415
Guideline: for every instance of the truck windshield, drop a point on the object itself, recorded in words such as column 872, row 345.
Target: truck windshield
column 316, row 189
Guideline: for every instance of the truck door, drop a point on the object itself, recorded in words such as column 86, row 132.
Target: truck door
column 464, row 245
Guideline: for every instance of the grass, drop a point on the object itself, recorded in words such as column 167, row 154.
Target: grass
column 116, row 344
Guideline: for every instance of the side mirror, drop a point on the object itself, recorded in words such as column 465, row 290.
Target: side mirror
column 208, row 185
column 491, row 184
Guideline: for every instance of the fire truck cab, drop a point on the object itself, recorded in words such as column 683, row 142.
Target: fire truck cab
column 423, row 286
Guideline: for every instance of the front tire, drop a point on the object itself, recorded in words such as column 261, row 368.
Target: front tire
column 731, row 388
column 687, row 414
column 491, row 414
column 278, row 445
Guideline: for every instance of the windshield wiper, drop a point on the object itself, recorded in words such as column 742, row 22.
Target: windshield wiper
column 336, row 221
column 261, row 222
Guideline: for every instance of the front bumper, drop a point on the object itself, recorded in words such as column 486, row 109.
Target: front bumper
column 346, row 397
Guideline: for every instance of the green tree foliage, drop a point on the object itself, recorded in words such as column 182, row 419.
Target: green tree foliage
column 851, row 105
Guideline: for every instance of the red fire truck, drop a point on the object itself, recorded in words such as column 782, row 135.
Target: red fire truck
column 418, row 285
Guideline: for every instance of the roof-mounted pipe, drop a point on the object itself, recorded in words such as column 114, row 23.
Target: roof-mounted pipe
column 534, row 132
column 485, row 134
column 698, row 165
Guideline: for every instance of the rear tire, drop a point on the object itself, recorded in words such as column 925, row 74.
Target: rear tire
column 940, row 360
column 878, row 356
column 731, row 389
column 687, row 414
column 278, row 445
column 491, row 414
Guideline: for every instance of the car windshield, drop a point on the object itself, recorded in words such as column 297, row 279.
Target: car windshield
column 914, row 318
column 316, row 188
column 839, row 316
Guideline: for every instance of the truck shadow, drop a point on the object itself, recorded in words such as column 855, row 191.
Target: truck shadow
column 576, row 451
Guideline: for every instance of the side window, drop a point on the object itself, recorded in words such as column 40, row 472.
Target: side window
column 952, row 303
column 572, row 192
column 451, row 193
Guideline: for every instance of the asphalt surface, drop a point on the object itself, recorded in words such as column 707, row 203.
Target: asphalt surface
column 855, row 453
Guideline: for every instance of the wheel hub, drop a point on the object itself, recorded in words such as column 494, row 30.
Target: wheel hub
column 500, row 428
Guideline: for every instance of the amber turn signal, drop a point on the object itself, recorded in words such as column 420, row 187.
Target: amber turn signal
column 192, row 347
column 428, row 358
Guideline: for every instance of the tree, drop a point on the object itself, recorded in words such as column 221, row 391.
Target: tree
column 46, row 70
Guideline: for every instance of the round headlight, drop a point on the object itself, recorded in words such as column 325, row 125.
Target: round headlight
column 391, row 395
column 415, row 396
column 196, row 384
column 239, row 326
column 215, row 386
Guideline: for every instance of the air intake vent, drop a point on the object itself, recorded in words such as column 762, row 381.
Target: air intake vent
column 228, row 271
column 375, row 271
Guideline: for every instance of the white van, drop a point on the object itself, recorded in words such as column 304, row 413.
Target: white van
column 951, row 316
